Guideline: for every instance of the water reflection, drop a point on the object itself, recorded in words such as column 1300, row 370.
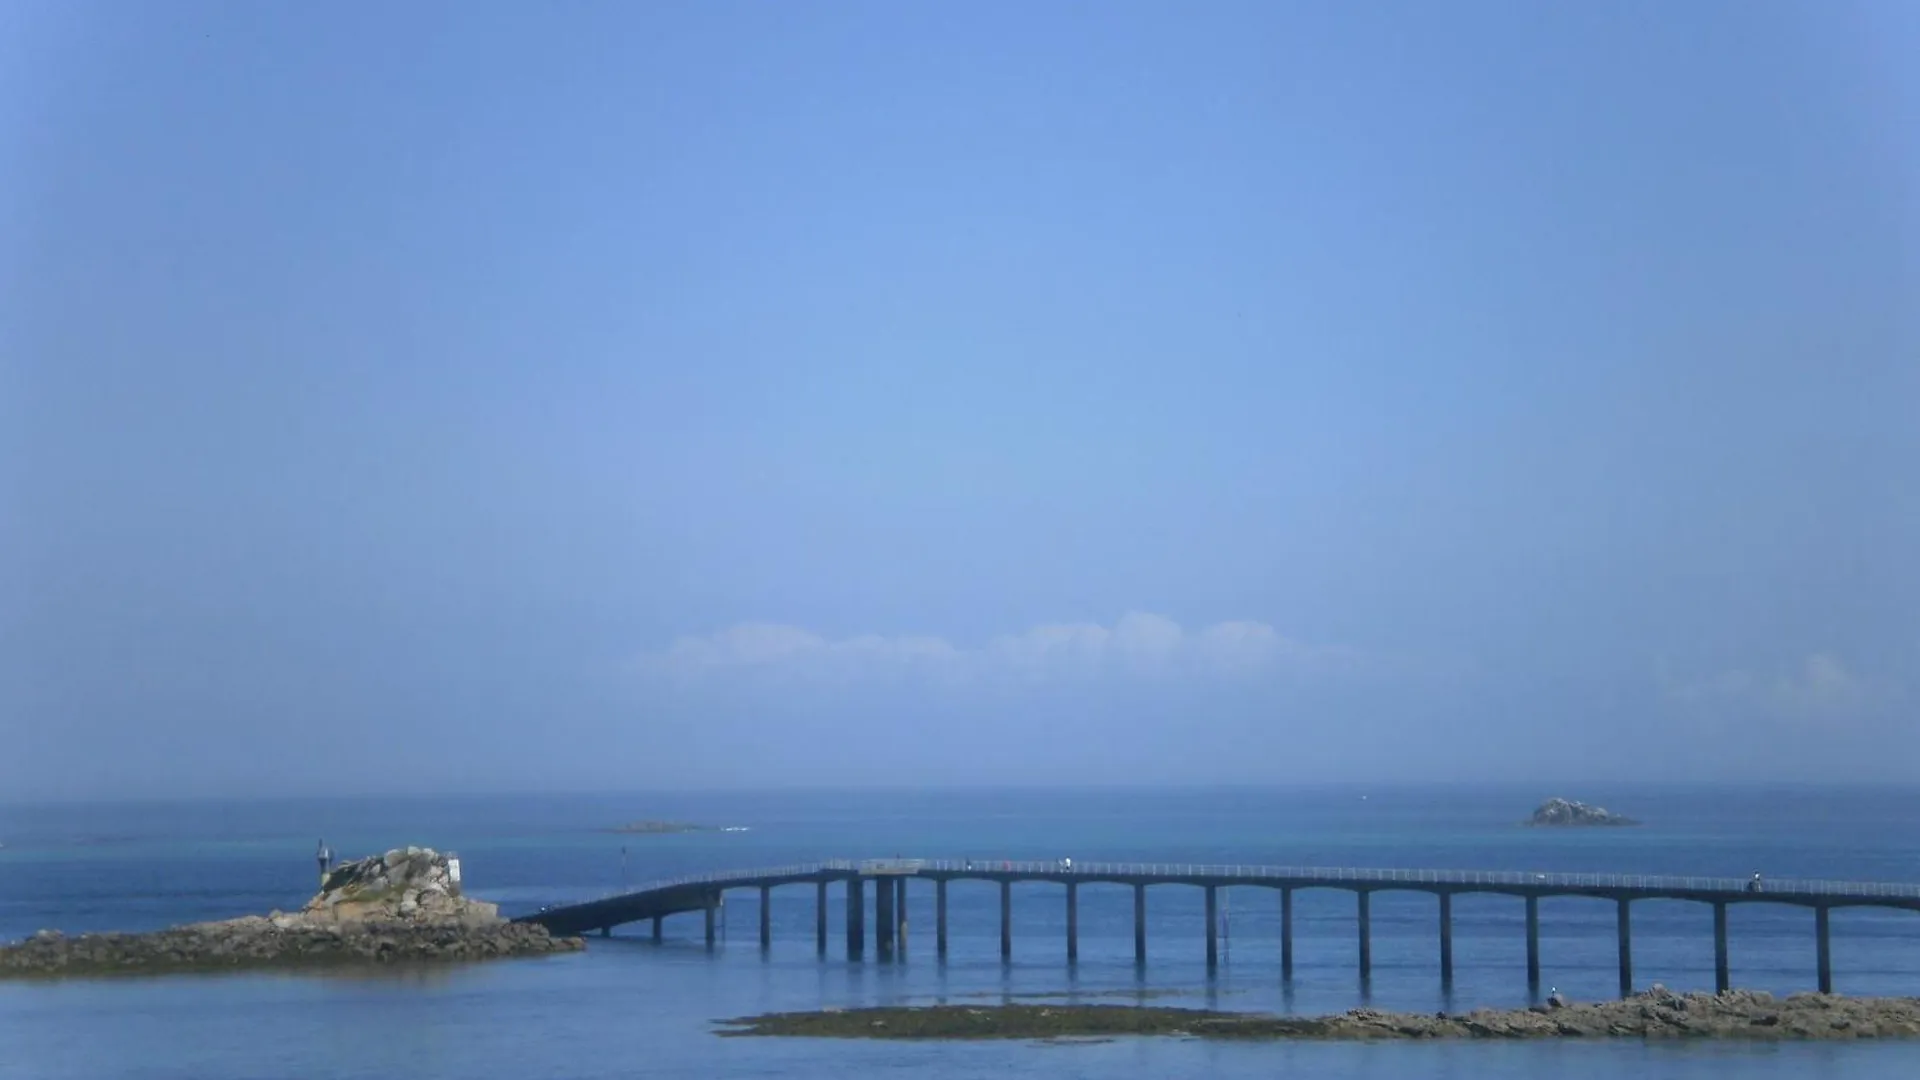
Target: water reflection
column 412, row 976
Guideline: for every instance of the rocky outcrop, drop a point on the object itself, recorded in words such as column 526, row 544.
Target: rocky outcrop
column 411, row 884
column 1660, row 1014
column 650, row 827
column 1656, row 1014
column 1561, row 812
column 256, row 942
column 400, row 907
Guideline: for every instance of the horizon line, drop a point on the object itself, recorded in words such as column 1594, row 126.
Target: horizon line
column 1545, row 789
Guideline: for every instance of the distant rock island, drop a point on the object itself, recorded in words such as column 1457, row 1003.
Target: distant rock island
column 1565, row 812
column 401, row 906
column 661, row 827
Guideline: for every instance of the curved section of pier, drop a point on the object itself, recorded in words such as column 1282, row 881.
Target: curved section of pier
column 703, row 893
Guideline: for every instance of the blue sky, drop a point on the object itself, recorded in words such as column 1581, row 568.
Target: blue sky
column 620, row 395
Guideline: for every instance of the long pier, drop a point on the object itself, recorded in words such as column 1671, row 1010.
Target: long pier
column 889, row 877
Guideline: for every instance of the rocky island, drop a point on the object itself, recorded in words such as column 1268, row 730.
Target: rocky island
column 649, row 827
column 1656, row 1014
column 1565, row 812
column 404, row 906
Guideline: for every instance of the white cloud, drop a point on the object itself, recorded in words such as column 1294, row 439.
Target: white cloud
column 1819, row 688
column 1242, row 644
column 1138, row 644
column 1147, row 641
column 1053, row 647
column 773, row 646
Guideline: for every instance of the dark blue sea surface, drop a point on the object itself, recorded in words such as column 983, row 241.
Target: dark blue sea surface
column 630, row 1008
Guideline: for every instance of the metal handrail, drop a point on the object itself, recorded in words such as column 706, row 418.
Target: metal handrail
column 1298, row 876
column 722, row 877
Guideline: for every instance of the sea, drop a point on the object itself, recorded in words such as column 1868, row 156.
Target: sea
column 628, row 1007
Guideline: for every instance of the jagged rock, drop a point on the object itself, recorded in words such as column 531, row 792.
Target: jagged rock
column 1557, row 811
column 412, row 884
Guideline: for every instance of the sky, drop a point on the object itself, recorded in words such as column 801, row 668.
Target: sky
column 483, row 396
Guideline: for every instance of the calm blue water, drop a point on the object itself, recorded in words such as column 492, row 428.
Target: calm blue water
column 629, row 1008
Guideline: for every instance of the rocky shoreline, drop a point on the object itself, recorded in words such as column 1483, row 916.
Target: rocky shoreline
column 255, row 943
column 1655, row 1014
column 398, row 908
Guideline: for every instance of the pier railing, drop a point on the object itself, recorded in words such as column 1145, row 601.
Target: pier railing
column 703, row 892
column 1237, row 873
column 1370, row 876
column 736, row 877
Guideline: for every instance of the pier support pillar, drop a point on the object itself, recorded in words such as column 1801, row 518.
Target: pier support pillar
column 940, row 916
column 820, row 916
column 1366, row 934
column 656, row 929
column 1720, row 981
column 1822, row 952
column 900, row 915
column 766, row 917
column 1073, row 921
column 712, row 906
column 1446, row 939
column 883, row 921
column 1006, row 920
column 1213, row 927
column 1533, row 944
column 1286, row 933
column 856, row 917
column 1139, row 924
column 1626, row 948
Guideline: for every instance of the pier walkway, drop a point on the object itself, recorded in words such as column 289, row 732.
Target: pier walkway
column 890, row 876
